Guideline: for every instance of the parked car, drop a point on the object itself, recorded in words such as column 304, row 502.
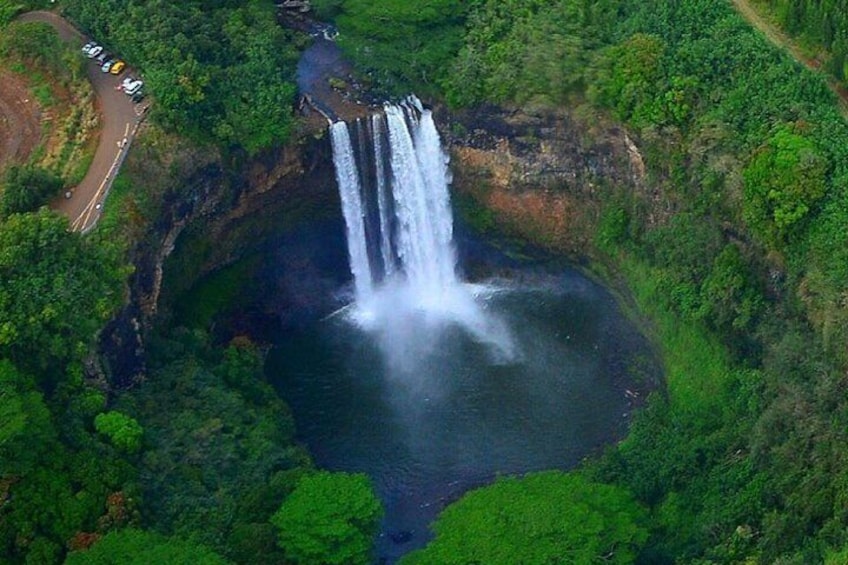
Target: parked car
column 137, row 97
column 107, row 65
column 133, row 87
column 94, row 51
column 103, row 57
column 118, row 67
column 86, row 49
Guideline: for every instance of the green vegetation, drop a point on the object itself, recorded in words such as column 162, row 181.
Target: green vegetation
column 548, row 517
column 822, row 24
column 58, row 481
column 56, row 290
column 219, row 454
column 25, row 188
column 8, row 10
column 737, row 253
column 137, row 547
column 401, row 44
column 330, row 518
column 220, row 71
column 123, row 432
column 783, row 181
column 38, row 47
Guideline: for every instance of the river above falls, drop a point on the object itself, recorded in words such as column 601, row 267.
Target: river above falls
column 456, row 414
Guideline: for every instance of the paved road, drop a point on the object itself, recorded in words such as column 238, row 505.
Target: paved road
column 120, row 120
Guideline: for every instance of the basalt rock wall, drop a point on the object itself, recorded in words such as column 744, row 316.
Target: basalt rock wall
column 541, row 176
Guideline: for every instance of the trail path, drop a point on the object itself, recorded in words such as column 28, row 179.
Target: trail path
column 120, row 121
column 776, row 36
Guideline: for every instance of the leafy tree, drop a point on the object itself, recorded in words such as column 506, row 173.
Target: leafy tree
column 404, row 43
column 56, row 289
column 221, row 71
column 124, row 432
column 26, row 429
column 783, row 182
column 629, row 76
column 729, row 295
column 138, row 547
column 26, row 187
column 8, row 10
column 330, row 518
column 548, row 517
column 219, row 452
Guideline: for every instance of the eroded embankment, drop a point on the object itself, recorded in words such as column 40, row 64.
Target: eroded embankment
column 541, row 177
column 20, row 120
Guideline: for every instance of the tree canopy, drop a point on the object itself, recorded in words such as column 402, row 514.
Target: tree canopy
column 330, row 518
column 542, row 518
column 220, row 71
column 56, row 289
column 403, row 43
column 131, row 546
column 27, row 187
column 123, row 431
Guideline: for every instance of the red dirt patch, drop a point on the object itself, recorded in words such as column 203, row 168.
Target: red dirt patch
column 20, row 120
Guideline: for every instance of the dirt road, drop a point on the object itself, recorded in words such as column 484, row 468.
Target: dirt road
column 120, row 121
column 776, row 36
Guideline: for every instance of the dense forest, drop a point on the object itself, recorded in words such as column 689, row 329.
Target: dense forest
column 194, row 466
column 739, row 257
column 821, row 25
column 222, row 71
column 743, row 272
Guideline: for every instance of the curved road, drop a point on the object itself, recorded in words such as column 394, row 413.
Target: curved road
column 120, row 121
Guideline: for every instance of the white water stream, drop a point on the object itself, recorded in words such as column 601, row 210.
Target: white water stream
column 400, row 237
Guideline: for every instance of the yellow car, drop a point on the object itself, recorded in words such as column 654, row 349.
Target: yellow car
column 117, row 67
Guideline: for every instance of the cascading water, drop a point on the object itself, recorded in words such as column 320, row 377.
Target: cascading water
column 349, row 188
column 416, row 382
column 400, row 235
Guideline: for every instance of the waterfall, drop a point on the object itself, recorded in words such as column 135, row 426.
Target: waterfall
column 396, row 206
column 350, row 189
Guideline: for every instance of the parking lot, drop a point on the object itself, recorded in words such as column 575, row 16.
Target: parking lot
column 120, row 120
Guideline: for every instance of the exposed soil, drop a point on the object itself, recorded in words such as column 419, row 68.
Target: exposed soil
column 20, row 120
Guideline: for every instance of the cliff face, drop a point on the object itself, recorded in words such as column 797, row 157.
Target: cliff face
column 210, row 217
column 272, row 194
column 541, row 176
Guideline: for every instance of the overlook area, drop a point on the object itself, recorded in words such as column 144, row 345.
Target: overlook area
column 581, row 299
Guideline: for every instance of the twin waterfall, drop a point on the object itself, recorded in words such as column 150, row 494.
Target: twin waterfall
column 393, row 180
column 395, row 202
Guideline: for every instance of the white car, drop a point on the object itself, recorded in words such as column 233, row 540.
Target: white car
column 88, row 47
column 94, row 51
column 132, row 87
